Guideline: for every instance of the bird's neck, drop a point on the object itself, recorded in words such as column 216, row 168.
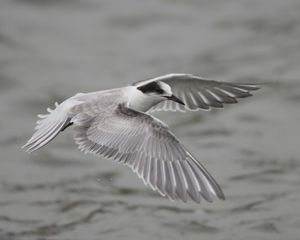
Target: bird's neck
column 139, row 101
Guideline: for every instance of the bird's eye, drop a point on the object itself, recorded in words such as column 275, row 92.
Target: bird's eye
column 159, row 91
column 152, row 87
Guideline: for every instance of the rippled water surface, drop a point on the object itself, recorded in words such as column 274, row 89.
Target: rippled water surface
column 52, row 49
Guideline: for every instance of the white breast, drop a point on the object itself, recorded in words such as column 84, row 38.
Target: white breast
column 139, row 101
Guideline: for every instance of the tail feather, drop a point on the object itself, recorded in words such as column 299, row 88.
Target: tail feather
column 48, row 127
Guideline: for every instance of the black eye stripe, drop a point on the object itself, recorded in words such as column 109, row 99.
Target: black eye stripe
column 151, row 87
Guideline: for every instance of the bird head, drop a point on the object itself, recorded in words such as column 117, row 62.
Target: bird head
column 159, row 90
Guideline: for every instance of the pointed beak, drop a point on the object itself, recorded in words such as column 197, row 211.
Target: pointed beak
column 175, row 99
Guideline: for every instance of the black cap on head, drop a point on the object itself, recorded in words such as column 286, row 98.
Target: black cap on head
column 152, row 87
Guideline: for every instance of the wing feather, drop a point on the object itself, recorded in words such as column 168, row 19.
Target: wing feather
column 199, row 93
column 48, row 127
column 147, row 146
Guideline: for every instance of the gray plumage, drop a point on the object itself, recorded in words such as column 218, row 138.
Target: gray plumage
column 199, row 93
column 113, row 124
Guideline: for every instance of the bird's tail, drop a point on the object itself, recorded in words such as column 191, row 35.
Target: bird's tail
column 48, row 127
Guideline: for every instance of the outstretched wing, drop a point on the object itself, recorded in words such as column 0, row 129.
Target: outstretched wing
column 49, row 126
column 147, row 146
column 198, row 93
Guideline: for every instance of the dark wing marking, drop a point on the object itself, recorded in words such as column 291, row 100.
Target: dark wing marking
column 198, row 93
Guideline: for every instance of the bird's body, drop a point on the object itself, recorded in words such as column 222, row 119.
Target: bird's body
column 115, row 124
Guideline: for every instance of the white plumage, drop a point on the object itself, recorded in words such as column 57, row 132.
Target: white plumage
column 113, row 124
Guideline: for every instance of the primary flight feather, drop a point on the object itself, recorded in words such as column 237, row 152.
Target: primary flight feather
column 115, row 124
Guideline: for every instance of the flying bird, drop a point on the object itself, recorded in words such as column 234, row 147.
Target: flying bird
column 116, row 124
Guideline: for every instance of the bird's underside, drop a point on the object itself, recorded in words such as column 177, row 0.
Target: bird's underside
column 105, row 125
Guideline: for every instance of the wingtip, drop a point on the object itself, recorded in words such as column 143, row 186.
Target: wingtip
column 29, row 148
column 26, row 149
column 221, row 195
column 25, row 146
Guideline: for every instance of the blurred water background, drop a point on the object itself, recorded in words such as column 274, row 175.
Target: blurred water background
column 52, row 49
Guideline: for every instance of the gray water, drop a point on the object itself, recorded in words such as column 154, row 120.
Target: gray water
column 51, row 49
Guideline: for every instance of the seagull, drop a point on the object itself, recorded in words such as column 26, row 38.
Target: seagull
column 116, row 124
